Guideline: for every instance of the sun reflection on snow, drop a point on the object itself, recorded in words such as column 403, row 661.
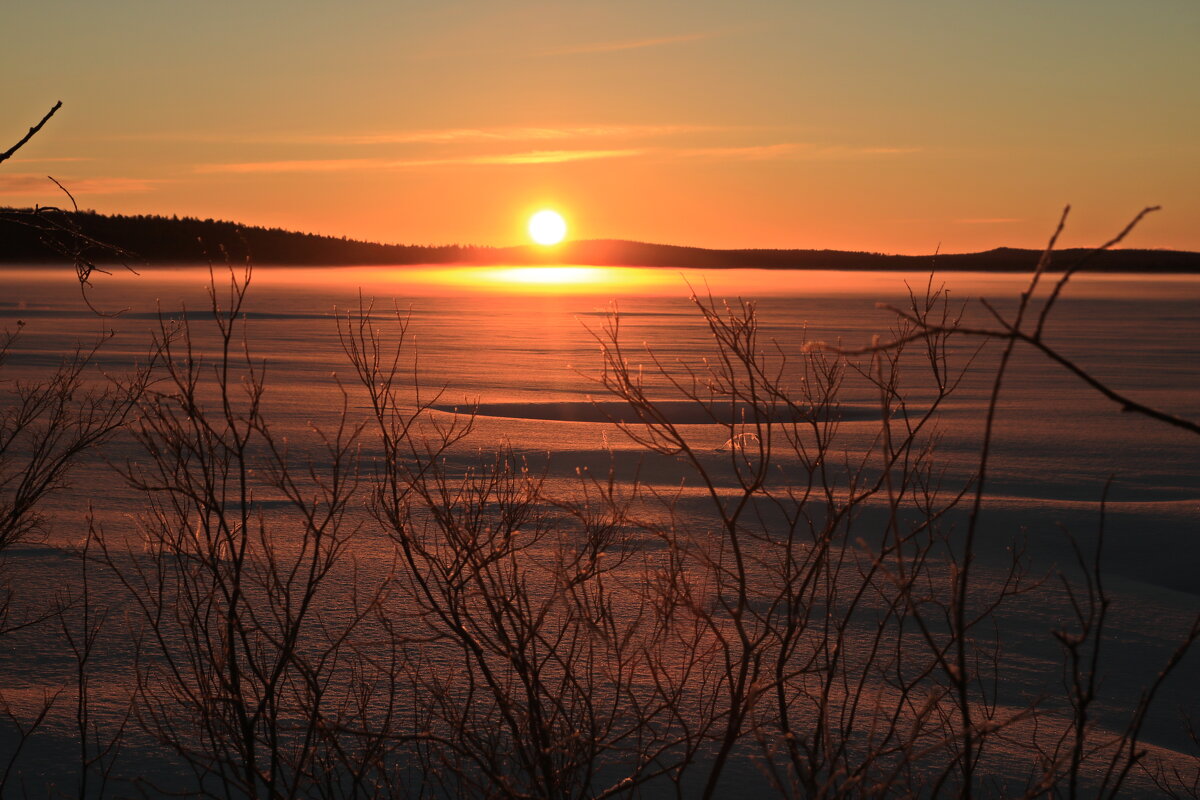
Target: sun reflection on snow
column 548, row 279
column 553, row 275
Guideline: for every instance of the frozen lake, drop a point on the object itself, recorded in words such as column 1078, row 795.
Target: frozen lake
column 507, row 338
column 521, row 347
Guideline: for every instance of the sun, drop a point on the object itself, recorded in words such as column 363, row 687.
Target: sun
column 547, row 227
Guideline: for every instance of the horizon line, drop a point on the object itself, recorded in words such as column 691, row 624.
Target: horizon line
column 598, row 240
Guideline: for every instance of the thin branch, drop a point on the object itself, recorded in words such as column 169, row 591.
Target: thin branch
column 7, row 154
column 1078, row 265
column 1126, row 403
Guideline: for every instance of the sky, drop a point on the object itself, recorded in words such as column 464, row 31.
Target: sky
column 878, row 125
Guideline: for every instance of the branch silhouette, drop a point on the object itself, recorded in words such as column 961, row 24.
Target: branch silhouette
column 7, row 154
column 1012, row 332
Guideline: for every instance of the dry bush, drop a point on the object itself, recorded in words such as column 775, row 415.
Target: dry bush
column 822, row 593
column 47, row 425
column 245, row 664
column 525, row 664
column 819, row 616
column 809, row 608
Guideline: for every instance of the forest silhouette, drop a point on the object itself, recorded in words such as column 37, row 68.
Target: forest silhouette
column 187, row 240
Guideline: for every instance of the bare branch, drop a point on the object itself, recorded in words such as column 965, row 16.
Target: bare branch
column 7, row 154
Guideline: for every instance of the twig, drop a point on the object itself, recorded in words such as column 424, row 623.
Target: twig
column 7, row 154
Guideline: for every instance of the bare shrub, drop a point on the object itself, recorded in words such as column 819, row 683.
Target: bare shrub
column 826, row 596
column 244, row 580
column 525, row 662
column 60, row 232
column 45, row 425
column 806, row 604
column 811, row 606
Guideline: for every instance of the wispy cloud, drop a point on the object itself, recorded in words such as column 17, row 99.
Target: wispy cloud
column 529, row 134
column 58, row 160
column 29, row 184
column 446, row 135
column 617, row 46
column 791, row 150
column 546, row 157
column 298, row 165
column 352, row 164
column 887, row 151
column 987, row 220
column 758, row 152
column 754, row 152
column 449, row 136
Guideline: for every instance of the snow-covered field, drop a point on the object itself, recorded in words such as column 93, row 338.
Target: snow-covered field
column 522, row 351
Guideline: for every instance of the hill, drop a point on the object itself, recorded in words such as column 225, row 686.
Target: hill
column 174, row 240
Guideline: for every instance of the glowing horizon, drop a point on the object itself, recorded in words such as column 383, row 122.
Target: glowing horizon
column 553, row 279
column 721, row 127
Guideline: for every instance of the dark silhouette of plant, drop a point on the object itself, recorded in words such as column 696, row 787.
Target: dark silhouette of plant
column 57, row 233
column 516, row 586
column 806, row 599
column 1089, row 605
column 811, row 606
column 44, row 428
column 244, row 663
column 49, row 420
column 7, row 154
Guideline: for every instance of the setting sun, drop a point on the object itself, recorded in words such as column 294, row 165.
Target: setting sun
column 547, row 227
column 588, row 399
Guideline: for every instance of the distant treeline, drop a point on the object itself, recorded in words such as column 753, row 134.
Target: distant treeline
column 31, row 238
column 26, row 238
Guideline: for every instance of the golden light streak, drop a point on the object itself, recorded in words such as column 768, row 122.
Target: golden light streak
column 557, row 279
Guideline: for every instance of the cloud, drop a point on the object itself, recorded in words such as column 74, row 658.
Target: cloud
column 446, row 135
column 58, row 160
column 518, row 134
column 545, row 157
column 30, row 184
column 18, row 183
column 791, row 150
column 299, row 165
column 352, row 164
column 755, row 152
column 759, row 152
column 888, row 151
column 629, row 44
column 987, row 220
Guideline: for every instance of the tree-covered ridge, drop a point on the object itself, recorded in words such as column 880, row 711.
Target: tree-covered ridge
column 157, row 239
column 149, row 239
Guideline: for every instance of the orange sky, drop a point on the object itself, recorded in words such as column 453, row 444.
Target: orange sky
column 880, row 126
